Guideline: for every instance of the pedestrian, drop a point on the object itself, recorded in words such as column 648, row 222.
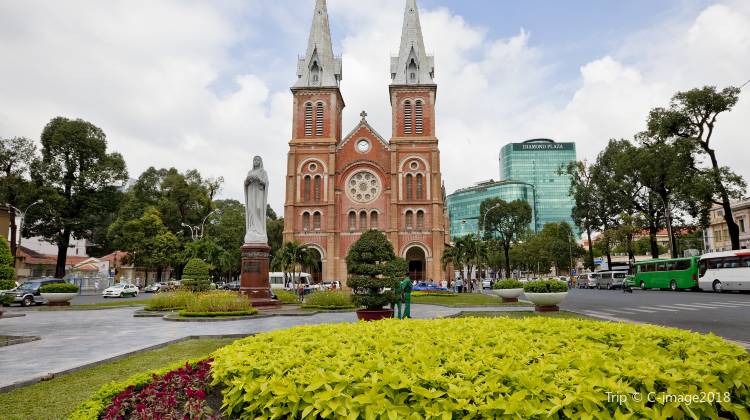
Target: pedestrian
column 459, row 285
column 96, row 284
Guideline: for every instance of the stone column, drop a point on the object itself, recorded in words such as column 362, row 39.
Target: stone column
column 254, row 275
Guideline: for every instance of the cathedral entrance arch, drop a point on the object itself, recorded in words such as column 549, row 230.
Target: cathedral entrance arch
column 417, row 261
column 315, row 267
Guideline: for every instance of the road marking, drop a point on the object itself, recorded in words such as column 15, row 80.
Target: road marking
column 642, row 310
column 620, row 311
column 739, row 303
column 699, row 305
column 659, row 308
column 681, row 306
column 601, row 315
column 728, row 305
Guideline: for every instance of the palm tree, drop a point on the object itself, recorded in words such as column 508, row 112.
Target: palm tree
column 289, row 257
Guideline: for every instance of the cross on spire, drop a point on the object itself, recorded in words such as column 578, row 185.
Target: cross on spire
column 363, row 114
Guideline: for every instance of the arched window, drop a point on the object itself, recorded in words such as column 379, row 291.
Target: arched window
column 412, row 70
column 319, row 119
column 315, row 72
column 316, row 220
column 420, row 187
column 418, row 120
column 420, row 220
column 409, row 220
column 305, row 221
column 407, row 117
column 306, row 188
column 363, row 220
column 318, row 187
column 374, row 220
column 352, row 220
column 409, row 189
column 308, row 119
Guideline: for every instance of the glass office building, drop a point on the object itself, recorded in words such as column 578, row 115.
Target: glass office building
column 463, row 205
column 542, row 163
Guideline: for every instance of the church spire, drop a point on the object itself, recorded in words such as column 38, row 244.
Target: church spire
column 319, row 67
column 412, row 66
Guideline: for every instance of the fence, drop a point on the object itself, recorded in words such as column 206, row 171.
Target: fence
column 91, row 285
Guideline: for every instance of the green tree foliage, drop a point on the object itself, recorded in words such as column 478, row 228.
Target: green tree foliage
column 7, row 266
column 554, row 246
column 148, row 242
column 692, row 116
column 195, row 275
column 16, row 156
column 373, row 266
column 275, row 232
column 77, row 181
column 507, row 222
column 290, row 259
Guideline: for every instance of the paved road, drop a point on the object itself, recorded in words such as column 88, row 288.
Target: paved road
column 70, row 339
column 86, row 299
column 724, row 314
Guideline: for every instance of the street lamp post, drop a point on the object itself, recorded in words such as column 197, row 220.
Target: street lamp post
column 23, row 217
column 196, row 232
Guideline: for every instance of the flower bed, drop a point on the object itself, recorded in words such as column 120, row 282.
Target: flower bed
column 287, row 297
column 535, row 367
column 328, row 300
column 171, row 301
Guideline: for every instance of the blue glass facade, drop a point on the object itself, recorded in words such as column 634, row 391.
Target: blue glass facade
column 540, row 163
column 463, row 205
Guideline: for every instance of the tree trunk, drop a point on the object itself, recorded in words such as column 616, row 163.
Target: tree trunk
column 591, row 248
column 732, row 228
column 62, row 253
column 506, row 251
column 13, row 229
column 158, row 275
column 652, row 231
column 668, row 222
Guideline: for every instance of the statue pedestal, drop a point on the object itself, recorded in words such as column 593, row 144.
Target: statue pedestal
column 254, row 275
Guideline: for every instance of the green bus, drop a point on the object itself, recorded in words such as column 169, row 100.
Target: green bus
column 674, row 273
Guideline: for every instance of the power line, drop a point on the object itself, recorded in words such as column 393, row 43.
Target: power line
column 744, row 84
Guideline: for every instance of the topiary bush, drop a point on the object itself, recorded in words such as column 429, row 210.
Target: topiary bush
column 374, row 270
column 508, row 284
column 486, row 368
column 195, row 275
column 59, row 288
column 328, row 300
column 7, row 266
column 545, row 286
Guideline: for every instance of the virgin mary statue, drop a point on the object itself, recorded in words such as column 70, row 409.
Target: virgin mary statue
column 256, row 197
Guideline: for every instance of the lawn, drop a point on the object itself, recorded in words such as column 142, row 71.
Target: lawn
column 465, row 299
column 57, row 398
column 524, row 314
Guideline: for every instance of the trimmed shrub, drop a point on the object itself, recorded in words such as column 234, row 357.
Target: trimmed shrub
column 220, row 301
column 487, row 368
column 328, row 300
column 195, row 275
column 171, row 301
column 508, row 284
column 286, row 296
column 59, row 288
column 545, row 286
column 374, row 270
column 7, row 266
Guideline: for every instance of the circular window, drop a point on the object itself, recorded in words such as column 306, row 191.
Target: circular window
column 313, row 167
column 363, row 146
column 414, row 165
column 363, row 187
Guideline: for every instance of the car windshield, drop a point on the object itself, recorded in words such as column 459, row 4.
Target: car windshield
column 29, row 286
column 118, row 286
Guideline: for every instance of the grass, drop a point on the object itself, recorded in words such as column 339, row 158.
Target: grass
column 465, row 299
column 523, row 314
column 58, row 397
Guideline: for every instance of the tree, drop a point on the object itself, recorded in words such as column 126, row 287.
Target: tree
column 7, row 267
column 507, row 222
column 374, row 270
column 584, row 192
column 195, row 275
column 227, row 230
column 692, row 116
column 455, row 256
column 473, row 252
column 148, row 242
column 16, row 156
column 77, row 181
column 290, row 259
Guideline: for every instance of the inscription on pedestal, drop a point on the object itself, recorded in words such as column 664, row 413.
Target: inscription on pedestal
column 251, row 267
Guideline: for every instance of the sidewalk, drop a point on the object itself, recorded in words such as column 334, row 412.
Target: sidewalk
column 71, row 339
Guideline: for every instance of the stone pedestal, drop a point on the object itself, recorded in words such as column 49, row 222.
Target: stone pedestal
column 254, row 275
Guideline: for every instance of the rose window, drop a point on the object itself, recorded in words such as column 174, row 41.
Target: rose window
column 363, row 187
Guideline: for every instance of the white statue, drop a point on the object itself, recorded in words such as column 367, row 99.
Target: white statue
column 256, row 197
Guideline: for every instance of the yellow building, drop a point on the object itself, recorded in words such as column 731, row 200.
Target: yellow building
column 717, row 235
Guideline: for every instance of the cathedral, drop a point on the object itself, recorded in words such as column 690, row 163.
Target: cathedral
column 339, row 185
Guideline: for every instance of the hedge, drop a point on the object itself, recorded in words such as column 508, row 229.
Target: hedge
column 483, row 368
column 545, row 286
column 59, row 288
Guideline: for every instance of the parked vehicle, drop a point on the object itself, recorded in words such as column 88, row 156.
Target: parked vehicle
column 673, row 273
column 587, row 281
column 232, row 285
column 610, row 279
column 121, row 290
column 425, row 286
column 728, row 270
column 330, row 285
column 486, row 284
column 154, row 288
column 27, row 293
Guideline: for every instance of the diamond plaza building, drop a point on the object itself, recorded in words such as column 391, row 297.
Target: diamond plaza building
column 529, row 171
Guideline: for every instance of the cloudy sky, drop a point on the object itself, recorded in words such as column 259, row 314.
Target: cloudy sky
column 196, row 84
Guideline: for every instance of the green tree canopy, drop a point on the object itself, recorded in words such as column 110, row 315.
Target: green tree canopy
column 372, row 267
column 506, row 221
column 16, row 156
column 7, row 266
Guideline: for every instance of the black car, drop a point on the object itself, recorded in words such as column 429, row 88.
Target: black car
column 27, row 293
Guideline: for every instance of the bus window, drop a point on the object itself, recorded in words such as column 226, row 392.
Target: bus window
column 702, row 267
column 731, row 262
column 618, row 275
column 661, row 267
column 714, row 263
column 681, row 265
column 745, row 262
column 650, row 267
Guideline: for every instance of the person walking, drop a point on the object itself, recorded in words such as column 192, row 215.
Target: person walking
column 459, row 285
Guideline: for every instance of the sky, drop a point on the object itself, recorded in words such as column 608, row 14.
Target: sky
column 205, row 85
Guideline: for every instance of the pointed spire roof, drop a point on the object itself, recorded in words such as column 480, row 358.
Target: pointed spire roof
column 412, row 66
column 319, row 67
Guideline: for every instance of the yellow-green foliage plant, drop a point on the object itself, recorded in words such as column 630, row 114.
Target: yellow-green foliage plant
column 287, row 297
column 329, row 299
column 220, row 301
column 482, row 368
column 171, row 301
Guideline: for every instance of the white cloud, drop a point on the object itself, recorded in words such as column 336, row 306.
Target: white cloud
column 145, row 72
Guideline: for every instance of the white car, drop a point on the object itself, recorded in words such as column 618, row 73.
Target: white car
column 120, row 290
column 486, row 284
